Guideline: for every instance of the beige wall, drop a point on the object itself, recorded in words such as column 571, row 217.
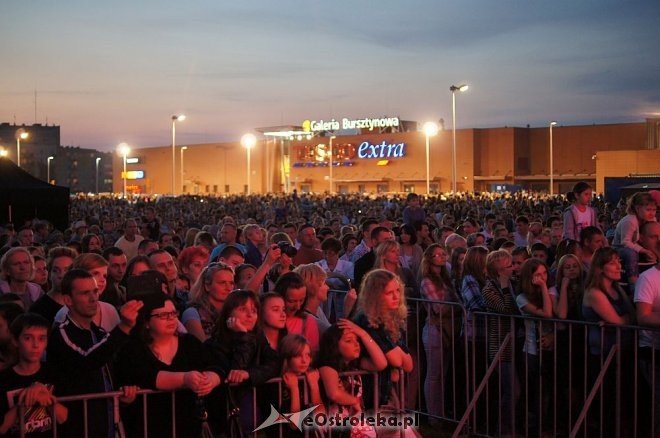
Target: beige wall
column 493, row 155
column 205, row 166
column 625, row 163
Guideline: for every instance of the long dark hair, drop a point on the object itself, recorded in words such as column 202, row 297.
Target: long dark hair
column 236, row 298
column 329, row 355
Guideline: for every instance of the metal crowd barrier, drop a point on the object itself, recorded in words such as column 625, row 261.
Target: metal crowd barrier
column 482, row 383
column 495, row 388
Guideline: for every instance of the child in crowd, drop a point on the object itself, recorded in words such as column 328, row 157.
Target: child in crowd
column 579, row 215
column 341, row 351
column 29, row 381
column 296, row 355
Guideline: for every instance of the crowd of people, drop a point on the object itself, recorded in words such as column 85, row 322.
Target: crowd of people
column 211, row 297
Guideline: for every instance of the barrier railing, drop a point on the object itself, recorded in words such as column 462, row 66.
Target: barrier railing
column 559, row 377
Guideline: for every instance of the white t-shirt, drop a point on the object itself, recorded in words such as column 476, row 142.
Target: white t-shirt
column 582, row 220
column 647, row 290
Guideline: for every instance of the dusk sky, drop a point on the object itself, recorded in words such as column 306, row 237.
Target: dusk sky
column 115, row 71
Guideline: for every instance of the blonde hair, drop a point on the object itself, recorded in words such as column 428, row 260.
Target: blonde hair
column 89, row 261
column 492, row 260
column 382, row 249
column 4, row 262
column 198, row 292
column 370, row 302
column 312, row 274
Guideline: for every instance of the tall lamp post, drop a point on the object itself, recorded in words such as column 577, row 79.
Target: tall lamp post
column 332, row 137
column 183, row 148
column 248, row 141
column 430, row 130
column 175, row 118
column 453, row 90
column 48, row 168
column 124, row 150
column 21, row 134
column 98, row 159
column 552, row 181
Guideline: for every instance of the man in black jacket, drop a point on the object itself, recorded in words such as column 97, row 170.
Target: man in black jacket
column 366, row 263
column 81, row 351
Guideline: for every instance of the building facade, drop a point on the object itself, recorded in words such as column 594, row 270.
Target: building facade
column 383, row 160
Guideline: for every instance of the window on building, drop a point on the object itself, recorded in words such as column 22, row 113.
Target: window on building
column 207, row 188
column 184, row 189
column 434, row 188
column 382, row 188
column 343, row 189
column 409, row 188
column 245, row 188
column 226, row 188
column 215, row 188
column 305, row 188
column 362, row 188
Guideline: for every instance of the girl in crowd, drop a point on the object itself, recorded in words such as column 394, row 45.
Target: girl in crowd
column 534, row 300
column 296, row 355
column 107, row 316
column 291, row 287
column 411, row 252
column 641, row 209
column 192, row 261
column 382, row 314
column 456, row 266
column 317, row 293
column 238, row 347
column 566, row 246
column 498, row 295
column 439, row 333
column 473, row 282
column 207, row 296
column 168, row 361
column 387, row 258
column 566, row 299
column 579, row 215
column 605, row 301
column 91, row 243
column 273, row 318
column 341, row 351
column 40, row 273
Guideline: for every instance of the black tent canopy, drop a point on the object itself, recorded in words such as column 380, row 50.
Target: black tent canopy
column 24, row 197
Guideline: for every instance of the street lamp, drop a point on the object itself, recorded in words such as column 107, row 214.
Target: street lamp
column 552, row 188
column 98, row 159
column 124, row 150
column 453, row 90
column 248, row 141
column 175, row 118
column 3, row 152
column 332, row 137
column 183, row 148
column 48, row 168
column 430, row 130
column 21, row 134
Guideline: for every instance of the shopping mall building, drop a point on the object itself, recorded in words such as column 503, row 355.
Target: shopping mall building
column 389, row 155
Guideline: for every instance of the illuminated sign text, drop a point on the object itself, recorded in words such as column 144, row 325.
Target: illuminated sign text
column 335, row 125
column 382, row 150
